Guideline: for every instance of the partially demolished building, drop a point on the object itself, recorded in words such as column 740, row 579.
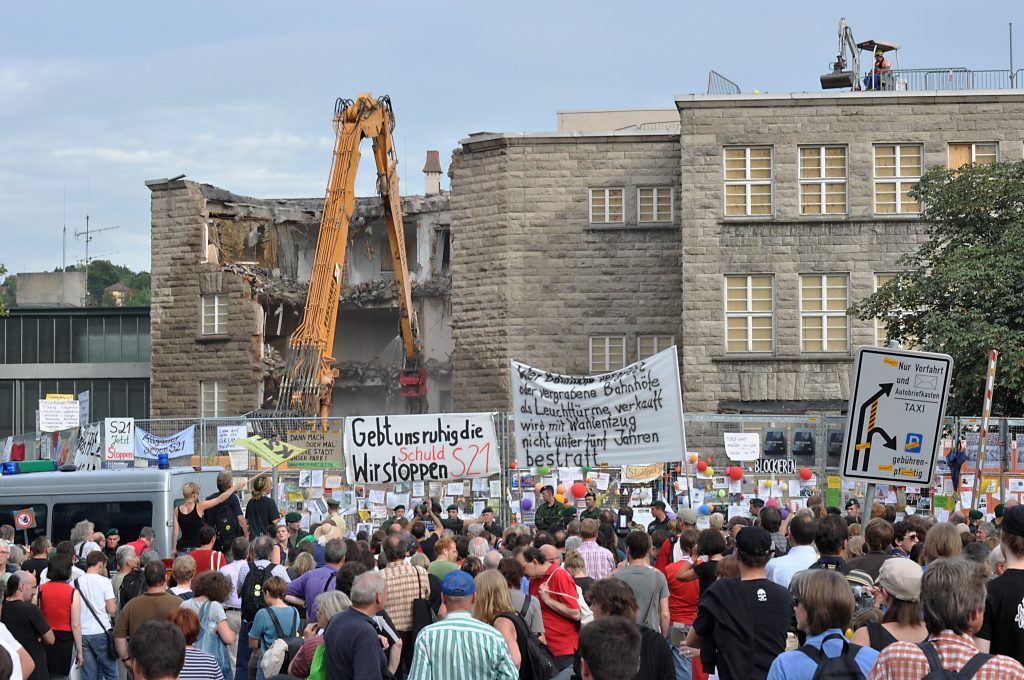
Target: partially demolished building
column 230, row 276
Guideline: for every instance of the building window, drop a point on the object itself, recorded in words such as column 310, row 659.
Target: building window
column 749, row 314
column 897, row 172
column 214, row 398
column 606, row 206
column 748, row 181
column 823, row 323
column 962, row 154
column 387, row 262
column 607, row 353
column 649, row 345
column 823, row 180
column 654, row 204
column 215, row 314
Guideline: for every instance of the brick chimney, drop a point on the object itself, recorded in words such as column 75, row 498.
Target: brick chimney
column 432, row 174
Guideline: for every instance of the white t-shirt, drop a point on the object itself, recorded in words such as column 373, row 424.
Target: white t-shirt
column 97, row 589
column 12, row 646
column 76, row 574
column 82, row 550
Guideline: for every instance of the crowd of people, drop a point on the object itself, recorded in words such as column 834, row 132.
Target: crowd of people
column 588, row 595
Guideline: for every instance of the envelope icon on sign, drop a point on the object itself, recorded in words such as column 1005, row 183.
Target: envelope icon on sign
column 926, row 382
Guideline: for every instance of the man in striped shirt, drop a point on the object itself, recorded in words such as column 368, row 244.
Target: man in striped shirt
column 460, row 647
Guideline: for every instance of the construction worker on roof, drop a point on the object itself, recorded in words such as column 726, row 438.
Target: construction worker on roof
column 881, row 68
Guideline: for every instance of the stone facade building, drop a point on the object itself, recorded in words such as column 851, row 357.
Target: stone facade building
column 230, row 276
column 783, row 210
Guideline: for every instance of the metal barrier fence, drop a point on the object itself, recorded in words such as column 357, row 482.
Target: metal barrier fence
column 946, row 78
column 719, row 84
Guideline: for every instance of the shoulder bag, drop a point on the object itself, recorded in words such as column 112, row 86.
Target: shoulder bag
column 111, row 650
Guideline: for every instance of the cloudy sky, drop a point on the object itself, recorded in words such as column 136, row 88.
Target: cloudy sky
column 96, row 98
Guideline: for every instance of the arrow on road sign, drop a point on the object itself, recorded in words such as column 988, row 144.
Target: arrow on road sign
column 865, row 445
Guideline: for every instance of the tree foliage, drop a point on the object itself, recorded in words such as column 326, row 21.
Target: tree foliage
column 103, row 273
column 7, row 297
column 962, row 292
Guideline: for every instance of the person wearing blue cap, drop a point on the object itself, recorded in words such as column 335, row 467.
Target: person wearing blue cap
column 459, row 647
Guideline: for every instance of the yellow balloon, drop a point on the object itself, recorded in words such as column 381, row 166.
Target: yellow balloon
column 768, row 483
column 560, row 498
column 709, row 472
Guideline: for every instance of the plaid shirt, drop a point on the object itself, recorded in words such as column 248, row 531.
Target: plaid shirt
column 599, row 561
column 405, row 584
column 906, row 661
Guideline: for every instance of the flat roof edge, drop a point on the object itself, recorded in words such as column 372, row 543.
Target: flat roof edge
column 618, row 134
column 798, row 98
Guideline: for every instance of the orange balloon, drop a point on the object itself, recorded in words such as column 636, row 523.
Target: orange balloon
column 588, row 480
column 693, row 457
column 537, row 487
column 561, row 490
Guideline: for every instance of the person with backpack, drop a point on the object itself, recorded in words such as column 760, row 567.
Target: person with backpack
column 227, row 518
column 83, row 544
column 153, row 605
column 276, row 621
column 215, row 636
column 189, row 516
column 528, row 607
column 302, row 591
column 560, row 604
column 249, row 583
column 205, row 556
column 824, row 605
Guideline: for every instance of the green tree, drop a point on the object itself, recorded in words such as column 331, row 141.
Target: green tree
column 9, row 289
column 962, row 292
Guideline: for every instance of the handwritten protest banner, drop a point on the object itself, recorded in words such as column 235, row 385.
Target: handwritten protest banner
column 58, row 414
column 387, row 449
column 741, row 446
column 633, row 416
column 323, row 449
column 150, row 446
column 119, row 439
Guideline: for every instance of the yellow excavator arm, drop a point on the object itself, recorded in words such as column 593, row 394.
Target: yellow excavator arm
column 309, row 370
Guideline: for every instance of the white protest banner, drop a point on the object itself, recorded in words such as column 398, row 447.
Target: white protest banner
column 119, row 439
column 58, row 414
column 84, row 413
column 227, row 434
column 322, row 449
column 742, row 445
column 633, row 416
column 388, row 449
column 150, row 446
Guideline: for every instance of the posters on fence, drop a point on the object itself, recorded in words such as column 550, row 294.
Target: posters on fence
column 323, row 449
column 119, row 439
column 633, row 416
column 177, row 445
column 58, row 414
column 740, row 446
column 89, row 455
column 227, row 434
column 388, row 449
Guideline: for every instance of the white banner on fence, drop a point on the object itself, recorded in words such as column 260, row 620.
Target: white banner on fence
column 227, row 434
column 119, row 439
column 388, row 449
column 57, row 414
column 741, row 446
column 89, row 456
column 175, row 446
column 633, row 416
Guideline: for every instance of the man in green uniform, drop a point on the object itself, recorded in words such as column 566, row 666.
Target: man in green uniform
column 453, row 522
column 660, row 517
column 549, row 512
column 292, row 520
column 398, row 513
column 491, row 525
column 591, row 511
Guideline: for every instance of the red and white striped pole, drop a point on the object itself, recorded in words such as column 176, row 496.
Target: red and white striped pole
column 986, row 411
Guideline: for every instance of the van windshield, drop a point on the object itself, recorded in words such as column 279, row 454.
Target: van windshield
column 128, row 517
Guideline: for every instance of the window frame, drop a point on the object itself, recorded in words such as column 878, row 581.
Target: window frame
column 823, row 314
column 974, row 151
column 822, row 181
column 748, row 182
column 657, row 346
column 749, row 314
column 607, row 357
column 896, row 179
column 654, row 203
column 220, row 315
column 220, row 390
column 607, row 204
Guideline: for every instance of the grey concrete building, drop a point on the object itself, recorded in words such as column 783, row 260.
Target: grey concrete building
column 230, row 276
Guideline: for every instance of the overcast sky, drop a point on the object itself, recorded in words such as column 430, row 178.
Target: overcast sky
column 96, row 98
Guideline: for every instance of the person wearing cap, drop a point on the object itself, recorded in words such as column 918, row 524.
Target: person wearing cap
column 293, row 520
column 953, row 602
column 741, row 625
column 591, row 511
column 452, row 521
column 801, row 555
column 899, row 591
column 333, row 507
column 1003, row 629
column 397, row 512
column 459, row 646
column 111, row 539
column 491, row 525
column 670, row 550
column 549, row 511
column 881, row 68
column 852, row 511
column 732, row 528
column 660, row 517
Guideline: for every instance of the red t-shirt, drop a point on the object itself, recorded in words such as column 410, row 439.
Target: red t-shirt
column 562, row 634
column 139, row 545
column 682, row 596
column 207, row 560
column 55, row 602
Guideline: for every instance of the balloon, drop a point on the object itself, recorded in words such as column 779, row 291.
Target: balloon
column 704, row 509
column 586, row 469
column 772, row 503
column 588, row 480
column 560, row 489
column 513, row 465
column 785, row 513
column 543, row 471
column 768, row 483
column 709, row 472
column 678, row 486
column 537, row 487
column 560, row 498
column 736, row 474
column 526, row 503
column 806, row 474
column 721, row 493
column 702, row 466
column 579, row 490
column 693, row 457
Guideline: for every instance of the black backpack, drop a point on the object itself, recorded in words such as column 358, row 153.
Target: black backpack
column 81, row 562
column 133, row 585
column 252, row 591
column 538, row 663
column 225, row 525
column 842, row 667
column 937, row 672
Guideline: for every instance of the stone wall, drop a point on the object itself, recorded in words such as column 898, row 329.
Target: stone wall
column 787, row 245
column 532, row 279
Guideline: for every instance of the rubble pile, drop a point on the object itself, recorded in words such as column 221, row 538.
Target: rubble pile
column 383, row 290
column 268, row 286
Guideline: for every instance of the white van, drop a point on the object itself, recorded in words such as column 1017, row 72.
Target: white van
column 123, row 499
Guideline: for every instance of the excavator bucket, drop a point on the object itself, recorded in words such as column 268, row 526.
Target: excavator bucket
column 413, row 382
column 838, row 80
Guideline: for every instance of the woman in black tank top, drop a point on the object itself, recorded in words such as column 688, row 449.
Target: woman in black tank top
column 188, row 517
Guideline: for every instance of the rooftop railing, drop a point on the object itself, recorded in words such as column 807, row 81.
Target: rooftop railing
column 947, row 78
